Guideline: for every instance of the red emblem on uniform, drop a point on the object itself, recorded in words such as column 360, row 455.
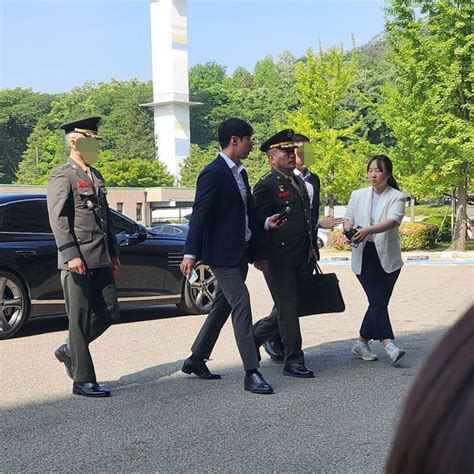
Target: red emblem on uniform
column 283, row 194
column 82, row 184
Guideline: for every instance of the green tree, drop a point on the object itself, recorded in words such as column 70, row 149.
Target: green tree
column 46, row 149
column 324, row 83
column 127, row 131
column 428, row 106
column 209, row 85
column 197, row 160
column 20, row 110
column 133, row 172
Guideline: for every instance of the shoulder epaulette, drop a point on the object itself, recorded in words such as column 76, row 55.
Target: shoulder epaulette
column 265, row 176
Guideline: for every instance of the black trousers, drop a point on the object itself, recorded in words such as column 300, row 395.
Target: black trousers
column 378, row 286
column 283, row 320
column 232, row 296
column 91, row 306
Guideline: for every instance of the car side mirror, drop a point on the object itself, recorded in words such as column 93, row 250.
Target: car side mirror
column 142, row 232
column 139, row 235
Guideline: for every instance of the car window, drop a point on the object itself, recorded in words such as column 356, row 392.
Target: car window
column 122, row 226
column 26, row 216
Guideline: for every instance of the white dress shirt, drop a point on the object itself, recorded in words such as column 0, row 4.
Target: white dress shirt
column 309, row 186
column 237, row 172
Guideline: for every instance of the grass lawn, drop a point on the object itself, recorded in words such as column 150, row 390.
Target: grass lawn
column 428, row 210
column 440, row 247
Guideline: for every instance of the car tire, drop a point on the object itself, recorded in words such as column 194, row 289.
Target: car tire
column 14, row 304
column 320, row 243
column 197, row 297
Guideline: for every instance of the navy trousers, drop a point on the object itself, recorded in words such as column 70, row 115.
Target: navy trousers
column 378, row 286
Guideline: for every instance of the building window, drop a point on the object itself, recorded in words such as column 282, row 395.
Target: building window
column 139, row 211
column 120, row 207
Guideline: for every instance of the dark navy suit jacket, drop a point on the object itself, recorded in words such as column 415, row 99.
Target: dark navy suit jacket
column 217, row 226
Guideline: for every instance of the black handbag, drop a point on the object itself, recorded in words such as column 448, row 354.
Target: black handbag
column 319, row 293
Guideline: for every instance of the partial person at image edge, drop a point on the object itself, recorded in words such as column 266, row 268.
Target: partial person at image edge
column 436, row 430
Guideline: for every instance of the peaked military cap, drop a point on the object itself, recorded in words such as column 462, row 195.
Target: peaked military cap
column 88, row 126
column 282, row 140
column 299, row 137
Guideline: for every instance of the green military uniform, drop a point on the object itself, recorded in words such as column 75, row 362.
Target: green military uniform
column 82, row 225
column 289, row 249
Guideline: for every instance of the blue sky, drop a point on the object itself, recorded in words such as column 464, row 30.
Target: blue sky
column 52, row 46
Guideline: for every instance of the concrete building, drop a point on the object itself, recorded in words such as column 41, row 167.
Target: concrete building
column 144, row 205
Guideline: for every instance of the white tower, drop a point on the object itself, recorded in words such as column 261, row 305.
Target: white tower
column 169, row 37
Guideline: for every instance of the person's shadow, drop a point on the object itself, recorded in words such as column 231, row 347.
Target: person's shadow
column 57, row 323
column 329, row 361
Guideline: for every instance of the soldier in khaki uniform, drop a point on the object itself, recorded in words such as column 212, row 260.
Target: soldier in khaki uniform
column 87, row 252
column 289, row 246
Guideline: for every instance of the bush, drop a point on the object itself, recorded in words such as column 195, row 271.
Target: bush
column 444, row 233
column 417, row 236
column 337, row 241
column 413, row 236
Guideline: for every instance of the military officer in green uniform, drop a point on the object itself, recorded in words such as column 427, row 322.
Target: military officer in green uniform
column 88, row 255
column 290, row 248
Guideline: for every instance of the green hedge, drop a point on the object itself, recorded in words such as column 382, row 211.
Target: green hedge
column 417, row 236
column 413, row 236
column 444, row 233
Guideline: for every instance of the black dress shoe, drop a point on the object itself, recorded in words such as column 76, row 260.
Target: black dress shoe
column 90, row 389
column 198, row 368
column 275, row 350
column 255, row 383
column 63, row 356
column 298, row 370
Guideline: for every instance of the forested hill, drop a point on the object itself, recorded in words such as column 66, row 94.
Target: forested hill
column 31, row 144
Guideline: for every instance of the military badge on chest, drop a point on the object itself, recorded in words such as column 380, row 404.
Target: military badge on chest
column 86, row 194
column 282, row 193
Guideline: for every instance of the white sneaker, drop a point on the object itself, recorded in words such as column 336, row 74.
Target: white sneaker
column 362, row 350
column 394, row 352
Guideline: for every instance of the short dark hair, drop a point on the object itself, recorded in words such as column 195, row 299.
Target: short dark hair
column 298, row 137
column 233, row 127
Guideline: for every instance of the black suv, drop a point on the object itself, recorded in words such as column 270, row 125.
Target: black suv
column 29, row 278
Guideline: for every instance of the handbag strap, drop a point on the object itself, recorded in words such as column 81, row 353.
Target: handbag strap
column 317, row 268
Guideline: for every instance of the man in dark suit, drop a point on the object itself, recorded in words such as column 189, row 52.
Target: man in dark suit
column 88, row 255
column 226, row 233
column 290, row 249
column 304, row 156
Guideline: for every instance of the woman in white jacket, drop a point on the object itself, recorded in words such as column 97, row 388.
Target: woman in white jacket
column 376, row 212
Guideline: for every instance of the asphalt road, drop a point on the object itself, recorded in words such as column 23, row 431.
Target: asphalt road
column 159, row 419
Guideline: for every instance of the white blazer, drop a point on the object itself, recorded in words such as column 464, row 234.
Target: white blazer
column 391, row 205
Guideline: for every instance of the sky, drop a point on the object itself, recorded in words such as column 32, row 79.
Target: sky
column 55, row 45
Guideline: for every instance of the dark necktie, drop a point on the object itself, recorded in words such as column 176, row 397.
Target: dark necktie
column 294, row 182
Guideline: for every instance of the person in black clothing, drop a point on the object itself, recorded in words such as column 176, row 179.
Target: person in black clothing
column 290, row 249
column 274, row 346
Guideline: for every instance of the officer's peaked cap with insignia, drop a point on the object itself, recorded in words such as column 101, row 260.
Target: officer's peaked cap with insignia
column 87, row 126
column 282, row 140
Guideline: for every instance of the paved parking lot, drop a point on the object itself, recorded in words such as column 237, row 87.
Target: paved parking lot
column 159, row 419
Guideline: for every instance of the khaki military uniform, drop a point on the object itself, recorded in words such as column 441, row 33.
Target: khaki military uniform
column 289, row 249
column 82, row 225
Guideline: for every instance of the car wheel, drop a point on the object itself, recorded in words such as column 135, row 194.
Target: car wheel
column 14, row 304
column 197, row 297
column 320, row 243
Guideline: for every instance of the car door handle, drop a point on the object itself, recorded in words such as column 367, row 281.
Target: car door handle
column 26, row 253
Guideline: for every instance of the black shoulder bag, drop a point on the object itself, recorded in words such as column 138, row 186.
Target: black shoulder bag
column 319, row 293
